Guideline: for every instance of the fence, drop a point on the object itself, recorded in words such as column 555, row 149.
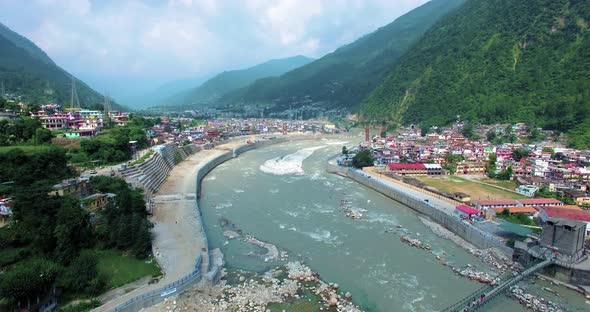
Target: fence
column 463, row 229
column 156, row 296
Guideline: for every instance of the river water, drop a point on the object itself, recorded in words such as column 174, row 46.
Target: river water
column 282, row 195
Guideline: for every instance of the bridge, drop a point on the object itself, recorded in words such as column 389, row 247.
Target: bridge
column 480, row 297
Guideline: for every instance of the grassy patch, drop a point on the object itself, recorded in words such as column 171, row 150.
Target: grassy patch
column 142, row 159
column 122, row 269
column 511, row 185
column 477, row 191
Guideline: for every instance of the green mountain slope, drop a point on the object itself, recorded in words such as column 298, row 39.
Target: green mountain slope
column 28, row 72
column 342, row 78
column 495, row 61
column 214, row 88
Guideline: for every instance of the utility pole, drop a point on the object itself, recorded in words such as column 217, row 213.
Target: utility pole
column 107, row 109
column 74, row 95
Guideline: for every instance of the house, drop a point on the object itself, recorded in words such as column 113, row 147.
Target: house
column 527, row 190
column 546, row 213
column 95, row 202
column 462, row 197
column 579, row 197
column 75, row 187
column 466, row 212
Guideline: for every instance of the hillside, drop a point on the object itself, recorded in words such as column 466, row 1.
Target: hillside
column 214, row 88
column 496, row 61
column 28, row 72
column 343, row 78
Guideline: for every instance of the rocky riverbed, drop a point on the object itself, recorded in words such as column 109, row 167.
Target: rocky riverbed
column 257, row 292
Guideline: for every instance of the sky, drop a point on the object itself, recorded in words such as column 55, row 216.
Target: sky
column 133, row 46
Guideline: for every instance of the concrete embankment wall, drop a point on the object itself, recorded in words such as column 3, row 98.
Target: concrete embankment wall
column 152, row 173
column 466, row 231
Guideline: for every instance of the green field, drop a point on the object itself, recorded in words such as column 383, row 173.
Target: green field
column 477, row 191
column 122, row 269
column 511, row 185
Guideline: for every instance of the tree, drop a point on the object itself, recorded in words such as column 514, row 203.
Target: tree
column 363, row 159
column 28, row 280
column 72, row 231
column 491, row 166
column 468, row 131
column 344, row 150
column 42, row 136
column 78, row 276
column 167, row 129
column 520, row 153
column 505, row 174
column 549, row 150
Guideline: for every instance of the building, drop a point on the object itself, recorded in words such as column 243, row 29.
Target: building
column 517, row 210
column 579, row 197
column 78, row 188
column 415, row 169
column 471, row 167
column 501, row 203
column 466, row 212
column 583, row 216
column 564, row 236
column 527, row 190
column 7, row 115
column 540, row 202
column 54, row 121
column 95, row 202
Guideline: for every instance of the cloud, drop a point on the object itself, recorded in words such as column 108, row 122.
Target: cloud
column 162, row 40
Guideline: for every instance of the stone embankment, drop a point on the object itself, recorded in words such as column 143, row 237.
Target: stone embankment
column 437, row 210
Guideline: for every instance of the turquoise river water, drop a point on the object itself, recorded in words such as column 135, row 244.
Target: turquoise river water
column 282, row 195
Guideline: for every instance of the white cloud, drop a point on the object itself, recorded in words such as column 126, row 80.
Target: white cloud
column 118, row 39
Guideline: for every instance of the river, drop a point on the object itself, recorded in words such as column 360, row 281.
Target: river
column 282, row 195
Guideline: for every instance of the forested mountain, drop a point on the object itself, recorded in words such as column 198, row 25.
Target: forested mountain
column 28, row 72
column 496, row 61
column 212, row 89
column 343, row 78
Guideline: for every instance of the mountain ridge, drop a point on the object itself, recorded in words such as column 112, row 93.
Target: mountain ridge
column 27, row 71
column 227, row 81
column 342, row 78
column 495, row 61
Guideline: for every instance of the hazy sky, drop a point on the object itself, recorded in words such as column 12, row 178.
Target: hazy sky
column 130, row 46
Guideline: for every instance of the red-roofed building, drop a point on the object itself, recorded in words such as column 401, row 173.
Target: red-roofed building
column 500, row 203
column 465, row 212
column 408, row 169
column 570, row 214
column 540, row 202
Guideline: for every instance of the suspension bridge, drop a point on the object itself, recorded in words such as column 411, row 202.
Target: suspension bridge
column 480, row 297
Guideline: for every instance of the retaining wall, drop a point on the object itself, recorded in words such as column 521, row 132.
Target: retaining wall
column 466, row 231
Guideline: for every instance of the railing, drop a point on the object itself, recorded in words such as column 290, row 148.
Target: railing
column 483, row 295
column 167, row 290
